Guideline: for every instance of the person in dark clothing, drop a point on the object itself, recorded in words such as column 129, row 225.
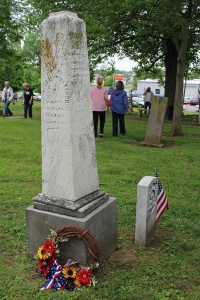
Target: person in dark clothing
column 119, row 106
column 148, row 98
column 28, row 100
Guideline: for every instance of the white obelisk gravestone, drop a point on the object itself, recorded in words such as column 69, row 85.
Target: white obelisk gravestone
column 69, row 167
column 70, row 186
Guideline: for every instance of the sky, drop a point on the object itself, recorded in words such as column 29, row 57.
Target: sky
column 124, row 64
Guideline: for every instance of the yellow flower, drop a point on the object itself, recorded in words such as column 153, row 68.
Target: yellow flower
column 77, row 282
column 69, row 271
column 42, row 254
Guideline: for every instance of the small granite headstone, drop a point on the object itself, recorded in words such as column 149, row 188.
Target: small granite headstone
column 156, row 121
column 147, row 191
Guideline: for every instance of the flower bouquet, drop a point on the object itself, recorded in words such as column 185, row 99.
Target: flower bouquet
column 71, row 276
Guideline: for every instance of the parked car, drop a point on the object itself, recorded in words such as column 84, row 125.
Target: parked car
column 37, row 97
column 128, row 94
column 194, row 101
column 186, row 100
column 138, row 100
column 18, row 95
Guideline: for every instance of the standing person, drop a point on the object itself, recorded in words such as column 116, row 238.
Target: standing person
column 28, row 100
column 99, row 97
column 7, row 96
column 148, row 97
column 119, row 106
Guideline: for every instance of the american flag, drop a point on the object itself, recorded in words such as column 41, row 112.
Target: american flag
column 162, row 203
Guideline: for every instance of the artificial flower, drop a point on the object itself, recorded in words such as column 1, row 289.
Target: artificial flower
column 69, row 271
column 49, row 247
column 45, row 265
column 84, row 276
column 77, row 282
column 42, row 253
column 70, row 276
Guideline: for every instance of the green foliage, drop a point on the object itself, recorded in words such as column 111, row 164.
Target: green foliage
column 194, row 74
column 8, row 36
column 18, row 64
column 30, row 54
column 168, row 269
column 31, row 48
column 108, row 81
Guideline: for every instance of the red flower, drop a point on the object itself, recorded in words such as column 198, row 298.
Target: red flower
column 84, row 276
column 45, row 265
column 49, row 247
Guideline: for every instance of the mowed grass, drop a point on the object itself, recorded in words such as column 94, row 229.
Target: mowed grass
column 167, row 269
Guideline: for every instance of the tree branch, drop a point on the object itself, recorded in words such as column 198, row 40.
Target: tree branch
column 154, row 62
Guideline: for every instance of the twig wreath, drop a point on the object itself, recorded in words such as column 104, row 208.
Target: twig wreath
column 72, row 275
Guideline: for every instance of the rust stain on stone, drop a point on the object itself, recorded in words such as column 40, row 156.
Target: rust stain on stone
column 46, row 53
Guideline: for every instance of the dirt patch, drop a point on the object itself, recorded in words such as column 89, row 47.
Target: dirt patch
column 124, row 257
column 160, row 237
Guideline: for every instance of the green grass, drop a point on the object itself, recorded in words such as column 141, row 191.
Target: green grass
column 167, row 269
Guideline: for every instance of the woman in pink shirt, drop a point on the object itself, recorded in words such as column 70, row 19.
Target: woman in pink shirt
column 99, row 97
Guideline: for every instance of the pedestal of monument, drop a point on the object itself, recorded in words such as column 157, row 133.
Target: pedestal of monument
column 101, row 222
column 70, row 186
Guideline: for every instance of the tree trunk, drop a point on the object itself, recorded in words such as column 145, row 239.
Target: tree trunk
column 170, row 76
column 181, row 61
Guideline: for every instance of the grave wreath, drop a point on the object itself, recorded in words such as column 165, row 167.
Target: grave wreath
column 72, row 275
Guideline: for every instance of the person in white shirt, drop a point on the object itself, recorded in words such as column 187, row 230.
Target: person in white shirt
column 7, row 96
column 148, row 97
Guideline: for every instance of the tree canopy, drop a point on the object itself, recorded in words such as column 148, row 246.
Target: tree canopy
column 155, row 33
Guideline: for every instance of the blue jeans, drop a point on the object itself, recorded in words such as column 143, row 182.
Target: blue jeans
column 27, row 108
column 115, row 118
column 8, row 112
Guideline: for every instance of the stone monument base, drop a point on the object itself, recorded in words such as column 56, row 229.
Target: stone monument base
column 102, row 224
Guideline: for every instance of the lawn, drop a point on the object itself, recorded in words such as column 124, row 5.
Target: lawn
column 167, row 269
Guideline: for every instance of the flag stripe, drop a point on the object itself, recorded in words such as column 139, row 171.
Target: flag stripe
column 162, row 203
column 161, row 200
column 162, row 209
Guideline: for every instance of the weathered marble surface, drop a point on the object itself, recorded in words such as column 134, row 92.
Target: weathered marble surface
column 69, row 168
column 156, row 121
column 147, row 192
column 78, row 208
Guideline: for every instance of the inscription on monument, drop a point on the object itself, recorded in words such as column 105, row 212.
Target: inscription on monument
column 151, row 202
